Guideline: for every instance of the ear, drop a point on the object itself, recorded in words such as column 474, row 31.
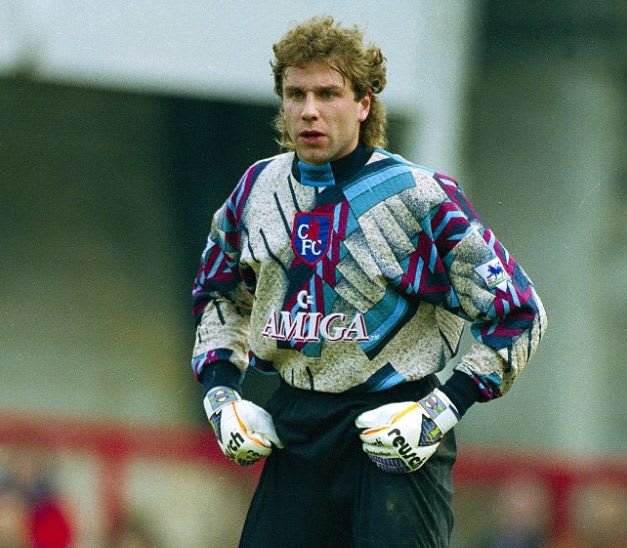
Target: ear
column 364, row 105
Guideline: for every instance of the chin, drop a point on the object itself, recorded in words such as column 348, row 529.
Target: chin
column 313, row 159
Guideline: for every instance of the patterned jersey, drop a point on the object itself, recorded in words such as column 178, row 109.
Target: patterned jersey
column 360, row 283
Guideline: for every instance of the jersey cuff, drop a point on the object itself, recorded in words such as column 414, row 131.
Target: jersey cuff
column 462, row 391
column 221, row 373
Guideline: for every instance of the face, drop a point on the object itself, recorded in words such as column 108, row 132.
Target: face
column 322, row 116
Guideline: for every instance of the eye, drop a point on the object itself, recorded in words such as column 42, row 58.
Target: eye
column 295, row 94
column 327, row 93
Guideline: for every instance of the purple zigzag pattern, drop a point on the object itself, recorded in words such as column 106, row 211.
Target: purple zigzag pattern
column 218, row 261
column 448, row 226
column 513, row 312
column 426, row 275
column 204, row 360
column 457, row 196
column 214, row 267
column 489, row 385
column 510, row 299
column 342, row 215
column 506, row 259
column 332, row 258
column 514, row 309
column 235, row 205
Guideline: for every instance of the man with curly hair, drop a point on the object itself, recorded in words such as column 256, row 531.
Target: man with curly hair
column 350, row 272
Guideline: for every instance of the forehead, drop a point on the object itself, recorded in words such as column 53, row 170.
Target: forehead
column 314, row 73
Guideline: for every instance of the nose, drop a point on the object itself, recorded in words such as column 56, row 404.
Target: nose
column 310, row 108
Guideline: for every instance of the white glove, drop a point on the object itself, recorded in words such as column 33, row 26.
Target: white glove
column 400, row 437
column 245, row 431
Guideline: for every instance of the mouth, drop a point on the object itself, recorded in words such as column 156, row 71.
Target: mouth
column 311, row 136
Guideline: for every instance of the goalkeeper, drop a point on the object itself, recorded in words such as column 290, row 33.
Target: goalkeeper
column 350, row 272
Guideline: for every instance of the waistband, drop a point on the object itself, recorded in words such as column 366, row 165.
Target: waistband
column 319, row 426
column 405, row 390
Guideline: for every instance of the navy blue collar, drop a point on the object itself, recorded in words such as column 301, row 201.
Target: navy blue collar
column 331, row 173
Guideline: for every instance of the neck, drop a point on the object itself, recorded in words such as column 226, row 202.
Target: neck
column 331, row 173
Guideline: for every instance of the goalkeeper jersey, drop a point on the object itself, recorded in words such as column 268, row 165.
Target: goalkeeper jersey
column 357, row 276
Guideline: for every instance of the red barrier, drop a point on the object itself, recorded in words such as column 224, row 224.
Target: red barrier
column 116, row 445
column 560, row 476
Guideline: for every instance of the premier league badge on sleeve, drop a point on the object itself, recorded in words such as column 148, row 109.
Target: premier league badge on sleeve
column 311, row 236
column 493, row 274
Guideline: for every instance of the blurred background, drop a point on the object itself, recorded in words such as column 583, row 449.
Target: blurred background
column 123, row 127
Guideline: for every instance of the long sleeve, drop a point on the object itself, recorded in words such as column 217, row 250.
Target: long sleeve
column 487, row 287
column 222, row 293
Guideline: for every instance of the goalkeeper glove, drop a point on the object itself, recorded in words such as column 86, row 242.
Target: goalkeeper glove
column 245, row 432
column 400, row 437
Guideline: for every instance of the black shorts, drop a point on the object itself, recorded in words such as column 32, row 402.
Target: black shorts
column 322, row 491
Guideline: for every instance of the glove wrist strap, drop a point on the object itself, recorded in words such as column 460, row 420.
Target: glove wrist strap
column 440, row 409
column 218, row 397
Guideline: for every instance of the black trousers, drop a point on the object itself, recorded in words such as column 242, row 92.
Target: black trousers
column 322, row 491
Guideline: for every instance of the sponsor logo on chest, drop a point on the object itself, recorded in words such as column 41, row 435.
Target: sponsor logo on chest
column 310, row 326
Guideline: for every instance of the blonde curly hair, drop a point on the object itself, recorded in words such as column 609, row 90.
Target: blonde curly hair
column 320, row 38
